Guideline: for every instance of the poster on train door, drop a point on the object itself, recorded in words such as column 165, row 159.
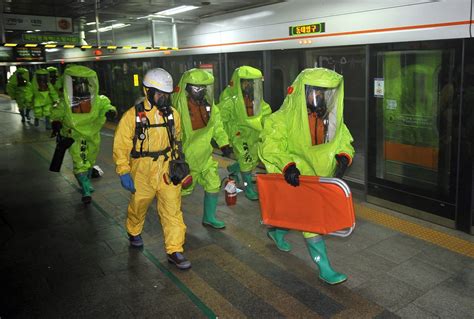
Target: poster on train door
column 378, row 87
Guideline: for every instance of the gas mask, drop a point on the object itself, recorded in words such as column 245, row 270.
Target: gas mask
column 197, row 93
column 316, row 101
column 20, row 80
column 42, row 80
column 163, row 103
column 247, row 88
column 81, row 95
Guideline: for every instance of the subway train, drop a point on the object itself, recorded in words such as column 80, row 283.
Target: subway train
column 408, row 70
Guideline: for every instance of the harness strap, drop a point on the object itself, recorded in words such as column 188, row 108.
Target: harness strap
column 154, row 155
column 139, row 129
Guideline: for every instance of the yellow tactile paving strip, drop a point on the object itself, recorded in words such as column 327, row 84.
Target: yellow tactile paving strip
column 441, row 239
column 438, row 238
column 280, row 300
column 359, row 306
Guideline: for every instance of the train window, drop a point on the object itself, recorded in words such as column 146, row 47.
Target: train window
column 210, row 63
column 253, row 59
column 278, row 90
column 285, row 68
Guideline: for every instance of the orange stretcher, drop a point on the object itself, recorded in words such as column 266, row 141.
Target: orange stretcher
column 318, row 205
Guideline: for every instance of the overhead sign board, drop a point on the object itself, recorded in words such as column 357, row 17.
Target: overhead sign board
column 43, row 23
column 61, row 39
column 28, row 54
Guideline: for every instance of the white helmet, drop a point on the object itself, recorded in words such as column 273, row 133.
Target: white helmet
column 159, row 79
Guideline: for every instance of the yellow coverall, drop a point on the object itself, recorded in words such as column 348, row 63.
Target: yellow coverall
column 149, row 177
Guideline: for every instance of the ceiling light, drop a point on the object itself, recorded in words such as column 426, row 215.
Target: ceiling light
column 90, row 23
column 37, row 30
column 177, row 10
column 29, row 31
column 110, row 27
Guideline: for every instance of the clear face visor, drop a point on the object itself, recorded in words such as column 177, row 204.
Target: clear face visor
column 202, row 95
column 20, row 79
column 42, row 80
column 252, row 93
column 79, row 91
column 320, row 100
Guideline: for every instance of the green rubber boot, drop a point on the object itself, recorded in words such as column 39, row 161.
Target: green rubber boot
column 317, row 250
column 210, row 206
column 278, row 236
column 89, row 175
column 234, row 171
column 85, row 184
column 250, row 191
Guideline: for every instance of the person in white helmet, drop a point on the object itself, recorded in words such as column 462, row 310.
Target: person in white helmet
column 146, row 145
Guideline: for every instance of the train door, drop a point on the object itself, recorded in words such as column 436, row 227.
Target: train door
column 412, row 128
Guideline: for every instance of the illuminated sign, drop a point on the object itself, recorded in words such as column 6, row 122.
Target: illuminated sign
column 28, row 54
column 6, row 54
column 308, row 29
column 62, row 39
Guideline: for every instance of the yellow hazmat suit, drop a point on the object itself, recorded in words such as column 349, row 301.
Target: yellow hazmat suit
column 150, row 176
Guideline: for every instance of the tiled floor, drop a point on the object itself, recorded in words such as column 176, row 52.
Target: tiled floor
column 59, row 258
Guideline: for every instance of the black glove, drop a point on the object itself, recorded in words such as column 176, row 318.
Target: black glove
column 292, row 175
column 342, row 163
column 226, row 150
column 111, row 114
column 55, row 128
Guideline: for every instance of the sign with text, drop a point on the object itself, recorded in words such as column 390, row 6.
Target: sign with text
column 308, row 29
column 28, row 54
column 6, row 54
column 60, row 39
column 42, row 23
column 379, row 88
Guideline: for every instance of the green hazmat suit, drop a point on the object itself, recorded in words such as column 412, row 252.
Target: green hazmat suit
column 200, row 123
column 242, row 116
column 197, row 143
column 82, row 113
column 21, row 92
column 44, row 94
column 287, row 138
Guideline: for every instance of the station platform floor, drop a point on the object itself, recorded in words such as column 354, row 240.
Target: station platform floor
column 62, row 259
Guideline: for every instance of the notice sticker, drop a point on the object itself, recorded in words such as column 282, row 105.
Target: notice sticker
column 378, row 87
column 391, row 105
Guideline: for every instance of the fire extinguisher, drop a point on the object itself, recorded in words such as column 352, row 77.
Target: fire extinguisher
column 230, row 192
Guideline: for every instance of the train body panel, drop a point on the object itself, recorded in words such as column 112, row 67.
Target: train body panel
column 346, row 23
